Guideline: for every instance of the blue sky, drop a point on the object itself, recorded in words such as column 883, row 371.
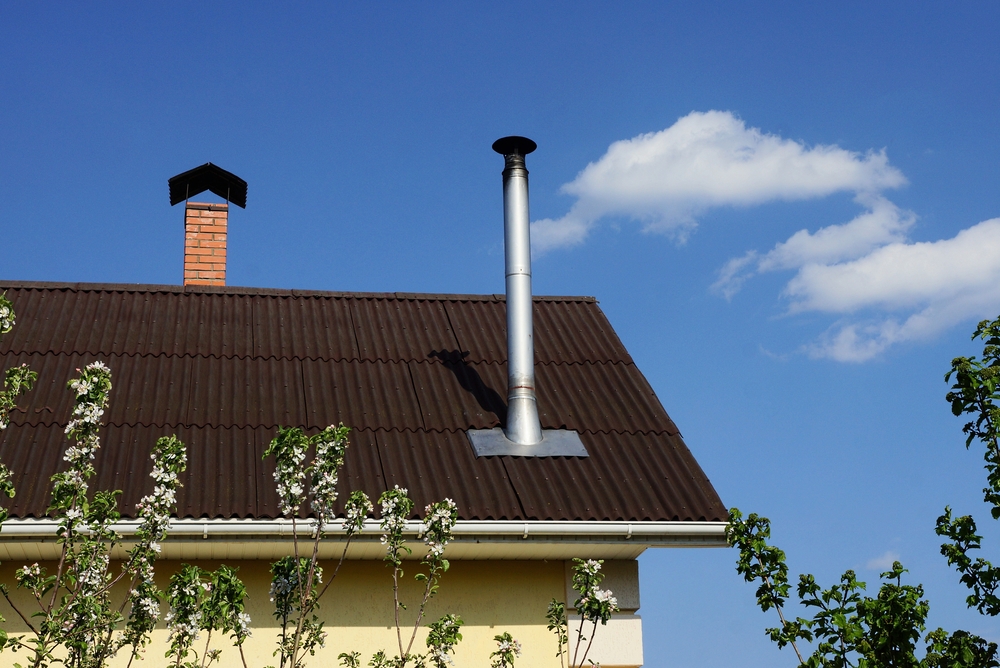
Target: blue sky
column 783, row 210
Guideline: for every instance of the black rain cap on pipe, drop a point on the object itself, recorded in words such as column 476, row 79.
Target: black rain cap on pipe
column 514, row 145
column 208, row 177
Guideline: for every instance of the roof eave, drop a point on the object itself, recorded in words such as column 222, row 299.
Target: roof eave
column 472, row 539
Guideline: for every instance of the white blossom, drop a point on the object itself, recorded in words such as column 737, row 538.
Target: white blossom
column 439, row 520
column 243, row 625
column 605, row 596
column 6, row 318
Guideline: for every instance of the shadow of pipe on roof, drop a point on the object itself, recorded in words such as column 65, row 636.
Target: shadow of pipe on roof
column 470, row 380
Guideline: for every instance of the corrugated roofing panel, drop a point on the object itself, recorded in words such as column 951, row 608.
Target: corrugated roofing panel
column 435, row 466
column 223, row 473
column 123, row 463
column 102, row 322
column 62, row 320
column 198, row 324
column 303, row 328
column 33, row 454
column 598, row 397
column 568, row 331
column 481, row 329
column 226, row 476
column 565, row 331
column 49, row 401
column 148, row 390
column 454, row 394
column 245, row 392
column 632, row 477
column 221, row 479
column 401, row 329
column 161, row 390
column 144, row 390
column 362, row 395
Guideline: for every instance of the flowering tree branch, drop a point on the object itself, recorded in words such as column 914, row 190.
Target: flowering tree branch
column 295, row 579
column 75, row 608
column 18, row 379
column 507, row 650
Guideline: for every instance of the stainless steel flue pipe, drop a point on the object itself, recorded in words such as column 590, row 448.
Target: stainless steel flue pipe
column 523, row 435
column 523, row 426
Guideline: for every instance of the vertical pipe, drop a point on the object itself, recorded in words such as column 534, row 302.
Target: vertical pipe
column 523, row 426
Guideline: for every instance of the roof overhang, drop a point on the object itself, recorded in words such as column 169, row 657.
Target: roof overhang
column 35, row 539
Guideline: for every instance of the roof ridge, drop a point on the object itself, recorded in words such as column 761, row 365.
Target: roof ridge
column 296, row 358
column 274, row 292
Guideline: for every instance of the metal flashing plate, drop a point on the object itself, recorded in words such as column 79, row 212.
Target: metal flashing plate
column 555, row 443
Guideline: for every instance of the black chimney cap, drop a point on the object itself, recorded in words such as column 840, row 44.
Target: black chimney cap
column 208, row 177
column 514, row 146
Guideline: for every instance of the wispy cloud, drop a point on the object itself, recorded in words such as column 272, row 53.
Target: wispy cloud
column 885, row 288
column 935, row 285
column 883, row 562
column 708, row 159
column 882, row 223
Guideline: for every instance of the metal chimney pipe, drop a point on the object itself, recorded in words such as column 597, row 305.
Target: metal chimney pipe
column 523, row 426
column 523, row 435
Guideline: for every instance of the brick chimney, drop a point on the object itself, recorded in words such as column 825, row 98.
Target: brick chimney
column 205, row 225
column 205, row 243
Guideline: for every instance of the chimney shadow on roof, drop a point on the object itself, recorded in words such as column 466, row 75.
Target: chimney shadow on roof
column 470, row 380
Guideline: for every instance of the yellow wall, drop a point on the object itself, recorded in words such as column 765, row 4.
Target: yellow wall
column 491, row 596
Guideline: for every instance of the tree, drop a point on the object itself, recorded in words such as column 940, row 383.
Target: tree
column 593, row 605
column 849, row 628
column 976, row 393
column 852, row 629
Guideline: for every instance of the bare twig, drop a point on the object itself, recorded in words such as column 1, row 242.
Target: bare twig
column 18, row 611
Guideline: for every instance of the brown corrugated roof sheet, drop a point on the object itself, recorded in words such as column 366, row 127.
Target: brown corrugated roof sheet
column 224, row 367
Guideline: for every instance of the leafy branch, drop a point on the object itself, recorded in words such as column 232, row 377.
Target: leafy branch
column 975, row 393
column 853, row 630
column 594, row 605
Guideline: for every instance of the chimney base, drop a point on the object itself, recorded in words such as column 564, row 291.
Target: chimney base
column 555, row 443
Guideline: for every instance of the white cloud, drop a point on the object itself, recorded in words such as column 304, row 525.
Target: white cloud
column 883, row 562
column 911, row 291
column 939, row 283
column 704, row 160
column 905, row 275
column 881, row 224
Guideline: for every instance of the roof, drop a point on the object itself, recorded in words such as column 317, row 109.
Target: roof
column 208, row 177
column 223, row 367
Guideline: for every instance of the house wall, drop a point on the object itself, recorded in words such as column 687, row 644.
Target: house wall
column 491, row 596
